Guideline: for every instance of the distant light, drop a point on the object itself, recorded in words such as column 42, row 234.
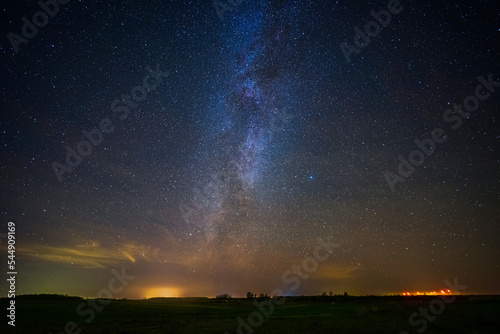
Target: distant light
column 166, row 291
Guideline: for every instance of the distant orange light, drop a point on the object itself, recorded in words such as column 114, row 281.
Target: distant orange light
column 165, row 291
column 418, row 293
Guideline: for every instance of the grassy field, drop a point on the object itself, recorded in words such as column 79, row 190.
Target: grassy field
column 50, row 314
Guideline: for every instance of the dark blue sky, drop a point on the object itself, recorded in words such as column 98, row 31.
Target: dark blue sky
column 225, row 145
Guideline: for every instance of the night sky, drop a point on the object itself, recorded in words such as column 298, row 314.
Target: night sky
column 204, row 148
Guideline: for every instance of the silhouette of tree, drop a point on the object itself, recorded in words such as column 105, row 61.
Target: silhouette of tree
column 223, row 296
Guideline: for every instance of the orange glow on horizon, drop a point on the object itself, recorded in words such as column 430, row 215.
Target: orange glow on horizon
column 162, row 291
column 418, row 293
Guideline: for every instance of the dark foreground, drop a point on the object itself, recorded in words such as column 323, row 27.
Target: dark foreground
column 50, row 314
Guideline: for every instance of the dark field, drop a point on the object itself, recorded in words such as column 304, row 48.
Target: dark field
column 50, row 314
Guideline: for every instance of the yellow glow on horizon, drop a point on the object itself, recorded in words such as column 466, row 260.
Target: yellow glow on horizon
column 164, row 291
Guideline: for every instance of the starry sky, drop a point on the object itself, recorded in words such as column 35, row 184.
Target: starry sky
column 204, row 147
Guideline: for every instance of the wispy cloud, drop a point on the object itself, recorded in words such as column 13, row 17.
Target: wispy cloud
column 91, row 254
column 87, row 256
